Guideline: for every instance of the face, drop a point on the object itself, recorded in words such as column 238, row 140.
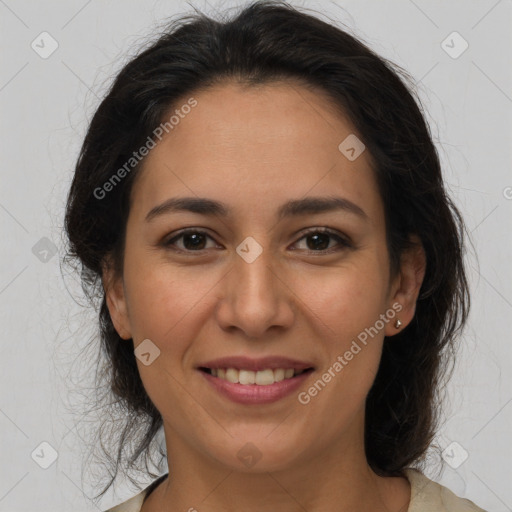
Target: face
column 268, row 273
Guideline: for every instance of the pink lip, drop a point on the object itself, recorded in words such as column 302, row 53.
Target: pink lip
column 246, row 363
column 254, row 394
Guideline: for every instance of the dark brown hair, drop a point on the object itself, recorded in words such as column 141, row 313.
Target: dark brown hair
column 269, row 41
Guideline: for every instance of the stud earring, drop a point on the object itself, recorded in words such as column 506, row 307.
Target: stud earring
column 398, row 324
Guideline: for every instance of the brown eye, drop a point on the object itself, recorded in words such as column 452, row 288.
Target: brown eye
column 192, row 240
column 319, row 240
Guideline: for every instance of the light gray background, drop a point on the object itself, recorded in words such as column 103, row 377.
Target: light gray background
column 45, row 107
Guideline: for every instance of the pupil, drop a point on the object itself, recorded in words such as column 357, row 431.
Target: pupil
column 319, row 246
column 194, row 236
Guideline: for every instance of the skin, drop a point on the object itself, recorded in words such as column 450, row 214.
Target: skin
column 254, row 149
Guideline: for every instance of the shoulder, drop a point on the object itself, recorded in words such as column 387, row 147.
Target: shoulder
column 426, row 496
column 134, row 504
column 429, row 496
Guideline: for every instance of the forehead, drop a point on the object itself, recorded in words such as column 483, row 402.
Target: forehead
column 256, row 143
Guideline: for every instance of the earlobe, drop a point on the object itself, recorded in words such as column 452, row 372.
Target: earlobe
column 116, row 302
column 411, row 274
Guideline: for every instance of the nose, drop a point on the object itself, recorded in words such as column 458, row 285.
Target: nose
column 255, row 299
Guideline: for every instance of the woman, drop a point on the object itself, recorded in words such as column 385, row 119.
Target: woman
column 260, row 207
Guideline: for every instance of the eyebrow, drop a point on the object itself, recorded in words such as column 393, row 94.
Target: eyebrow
column 294, row 208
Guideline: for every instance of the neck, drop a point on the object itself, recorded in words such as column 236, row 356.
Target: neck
column 336, row 479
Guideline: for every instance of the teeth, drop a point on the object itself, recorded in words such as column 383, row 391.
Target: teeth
column 232, row 375
column 248, row 377
column 279, row 374
column 264, row 377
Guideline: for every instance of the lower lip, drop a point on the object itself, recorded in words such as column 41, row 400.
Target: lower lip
column 253, row 393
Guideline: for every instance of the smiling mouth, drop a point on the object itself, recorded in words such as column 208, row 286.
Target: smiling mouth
column 265, row 377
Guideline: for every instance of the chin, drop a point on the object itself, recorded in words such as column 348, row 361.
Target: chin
column 255, row 454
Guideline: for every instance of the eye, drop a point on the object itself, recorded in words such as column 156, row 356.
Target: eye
column 193, row 240
column 318, row 240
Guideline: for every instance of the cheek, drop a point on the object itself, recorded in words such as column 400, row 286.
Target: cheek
column 168, row 308
column 158, row 297
column 347, row 299
column 168, row 304
column 347, row 305
column 352, row 351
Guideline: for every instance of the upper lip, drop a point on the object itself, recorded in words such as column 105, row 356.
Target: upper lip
column 247, row 363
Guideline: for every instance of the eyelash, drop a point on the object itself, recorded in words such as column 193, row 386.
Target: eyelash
column 343, row 242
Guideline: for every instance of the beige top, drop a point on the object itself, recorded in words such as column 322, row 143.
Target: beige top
column 426, row 496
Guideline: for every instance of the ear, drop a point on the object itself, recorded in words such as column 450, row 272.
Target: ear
column 406, row 287
column 116, row 300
